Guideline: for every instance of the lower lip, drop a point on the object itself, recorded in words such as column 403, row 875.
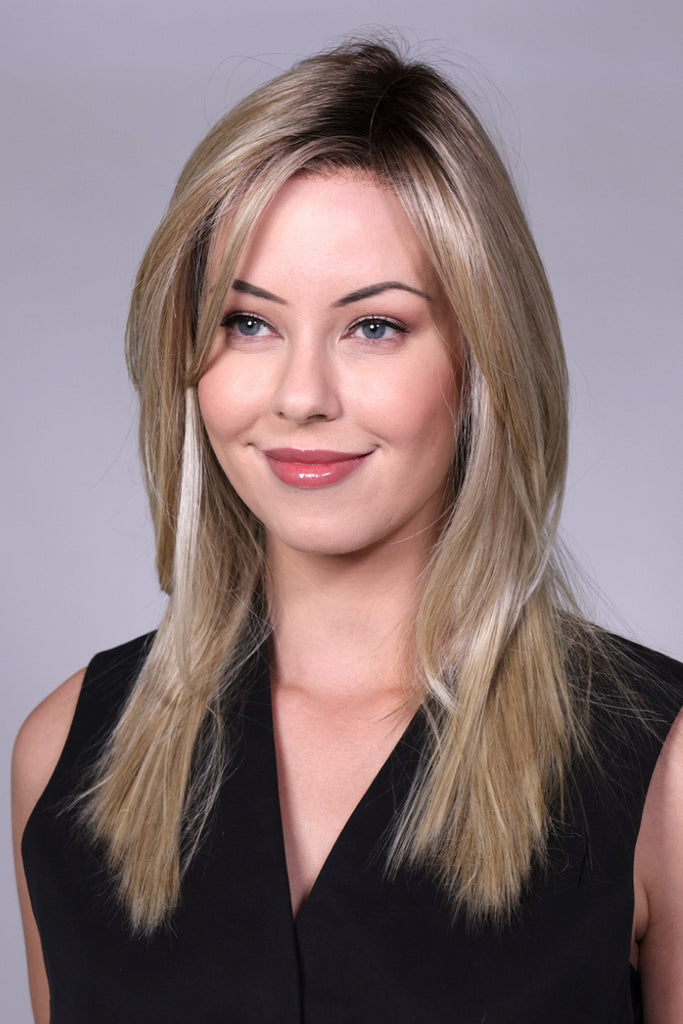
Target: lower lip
column 311, row 475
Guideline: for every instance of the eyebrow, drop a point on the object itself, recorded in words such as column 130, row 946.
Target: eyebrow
column 376, row 289
column 252, row 289
column 362, row 293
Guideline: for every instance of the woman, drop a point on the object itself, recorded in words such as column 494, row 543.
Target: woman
column 373, row 765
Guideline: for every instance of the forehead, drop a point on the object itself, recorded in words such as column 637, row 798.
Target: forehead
column 344, row 228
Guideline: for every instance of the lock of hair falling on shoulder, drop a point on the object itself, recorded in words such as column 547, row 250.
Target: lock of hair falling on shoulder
column 496, row 617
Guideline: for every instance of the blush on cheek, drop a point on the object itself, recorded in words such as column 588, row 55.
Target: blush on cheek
column 214, row 407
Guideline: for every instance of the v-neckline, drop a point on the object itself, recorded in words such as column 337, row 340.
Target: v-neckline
column 377, row 786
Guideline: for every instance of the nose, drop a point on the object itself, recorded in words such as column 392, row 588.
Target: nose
column 307, row 388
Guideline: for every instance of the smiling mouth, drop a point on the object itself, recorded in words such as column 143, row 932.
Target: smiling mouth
column 311, row 468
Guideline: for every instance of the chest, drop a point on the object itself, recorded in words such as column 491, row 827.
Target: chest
column 363, row 947
column 326, row 759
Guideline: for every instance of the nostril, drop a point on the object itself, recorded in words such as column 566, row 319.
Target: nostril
column 310, row 418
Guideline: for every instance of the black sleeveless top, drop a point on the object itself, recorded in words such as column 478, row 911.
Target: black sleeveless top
column 363, row 949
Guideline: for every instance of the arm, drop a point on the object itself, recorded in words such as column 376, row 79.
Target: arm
column 658, row 880
column 36, row 752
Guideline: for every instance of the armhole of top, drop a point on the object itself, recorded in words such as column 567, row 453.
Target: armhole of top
column 129, row 656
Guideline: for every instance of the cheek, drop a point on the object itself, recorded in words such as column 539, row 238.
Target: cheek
column 434, row 437
column 224, row 422
column 431, row 445
column 206, row 400
column 224, row 408
column 420, row 410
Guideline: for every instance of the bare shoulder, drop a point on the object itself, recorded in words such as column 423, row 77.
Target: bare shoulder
column 659, row 877
column 39, row 743
column 37, row 748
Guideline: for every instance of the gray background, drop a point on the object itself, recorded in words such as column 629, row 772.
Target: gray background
column 101, row 104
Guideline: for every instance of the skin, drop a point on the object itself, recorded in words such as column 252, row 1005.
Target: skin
column 325, row 369
column 344, row 560
column 36, row 752
column 658, row 884
column 343, row 585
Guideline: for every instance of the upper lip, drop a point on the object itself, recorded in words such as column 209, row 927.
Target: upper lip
column 310, row 456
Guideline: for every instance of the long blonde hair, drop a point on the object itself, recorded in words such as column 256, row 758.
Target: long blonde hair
column 496, row 617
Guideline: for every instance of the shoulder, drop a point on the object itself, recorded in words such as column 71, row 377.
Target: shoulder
column 657, row 745
column 89, row 698
column 660, row 842
column 116, row 668
column 39, row 744
column 639, row 663
column 36, row 752
column 635, row 692
column 658, row 882
column 64, row 719
column 636, row 696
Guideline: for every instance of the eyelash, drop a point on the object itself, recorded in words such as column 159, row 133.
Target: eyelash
column 381, row 321
column 230, row 319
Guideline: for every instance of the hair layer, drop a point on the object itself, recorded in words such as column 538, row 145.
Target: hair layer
column 493, row 628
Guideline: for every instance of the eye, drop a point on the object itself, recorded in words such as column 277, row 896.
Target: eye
column 246, row 325
column 376, row 328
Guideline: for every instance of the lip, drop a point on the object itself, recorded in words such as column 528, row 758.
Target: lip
column 310, row 468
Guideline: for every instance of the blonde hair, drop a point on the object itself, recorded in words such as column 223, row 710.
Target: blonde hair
column 496, row 617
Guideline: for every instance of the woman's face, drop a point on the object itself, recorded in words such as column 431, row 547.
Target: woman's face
column 330, row 392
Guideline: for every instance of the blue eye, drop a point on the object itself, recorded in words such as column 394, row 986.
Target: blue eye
column 247, row 325
column 375, row 328
column 244, row 324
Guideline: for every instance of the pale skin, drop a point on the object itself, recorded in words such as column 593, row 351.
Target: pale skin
column 342, row 587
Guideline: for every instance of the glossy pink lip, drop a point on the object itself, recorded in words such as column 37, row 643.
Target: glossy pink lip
column 312, row 467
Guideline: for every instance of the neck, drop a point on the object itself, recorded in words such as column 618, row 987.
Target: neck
column 343, row 624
